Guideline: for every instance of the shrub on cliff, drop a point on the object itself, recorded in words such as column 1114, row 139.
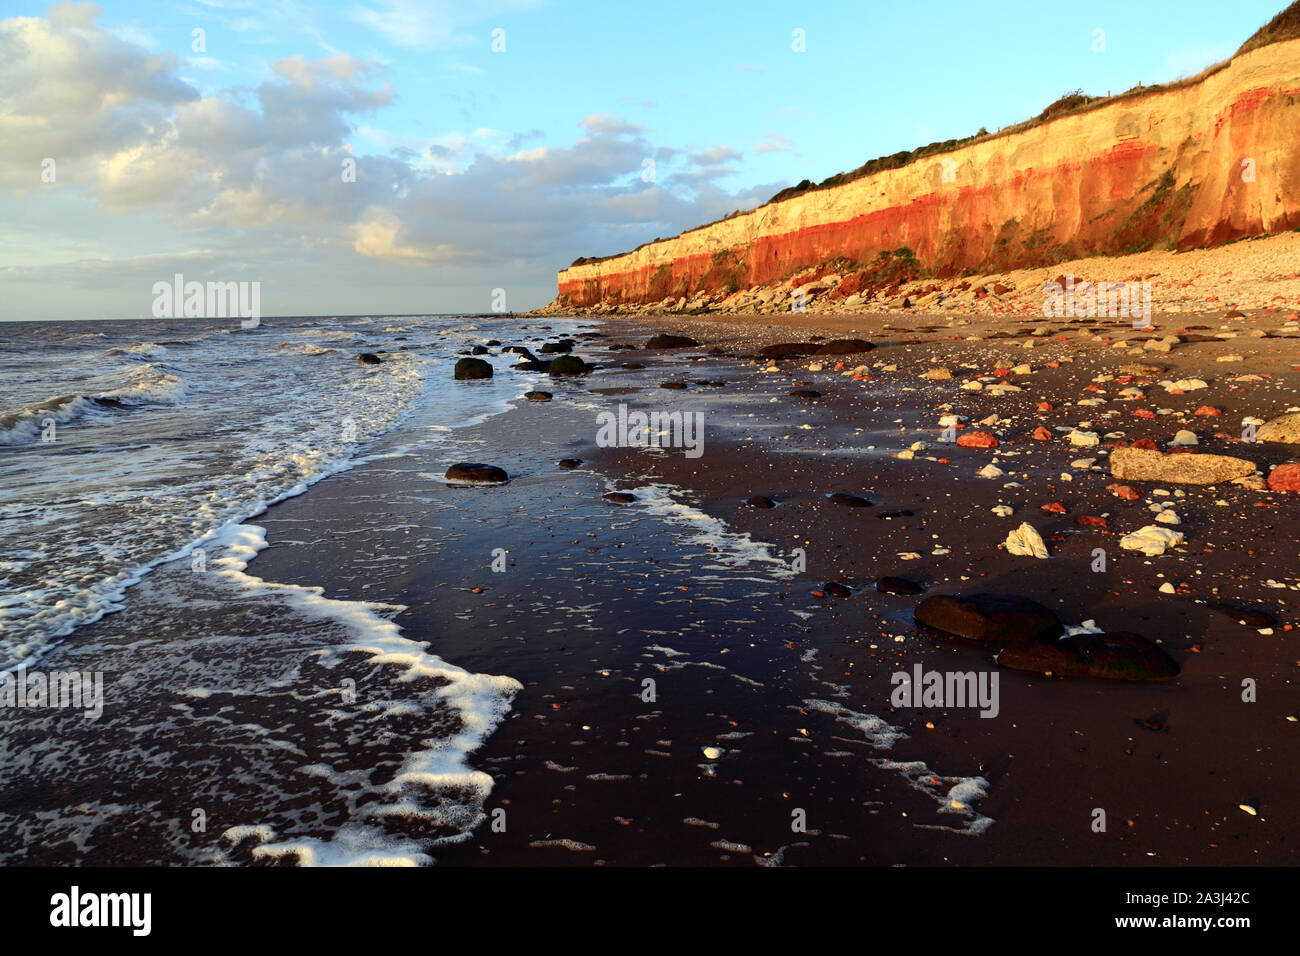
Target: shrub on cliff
column 1284, row 26
column 1067, row 104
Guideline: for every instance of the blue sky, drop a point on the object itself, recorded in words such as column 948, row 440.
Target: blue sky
column 480, row 169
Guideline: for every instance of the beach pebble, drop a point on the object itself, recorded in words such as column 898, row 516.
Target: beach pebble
column 978, row 439
column 1152, row 540
column 1026, row 542
column 1136, row 464
column 1284, row 478
column 1285, row 429
column 1185, row 385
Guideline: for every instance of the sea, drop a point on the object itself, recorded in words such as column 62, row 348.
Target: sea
column 134, row 453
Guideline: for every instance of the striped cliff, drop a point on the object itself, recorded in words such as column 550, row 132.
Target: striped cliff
column 1198, row 163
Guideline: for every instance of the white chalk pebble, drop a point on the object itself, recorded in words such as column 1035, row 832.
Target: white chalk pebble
column 1002, row 511
column 712, row 753
column 1025, row 541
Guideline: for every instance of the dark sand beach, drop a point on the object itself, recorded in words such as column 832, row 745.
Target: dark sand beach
column 789, row 686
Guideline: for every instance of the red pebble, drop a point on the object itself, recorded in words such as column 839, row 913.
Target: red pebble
column 1284, row 478
column 1143, row 413
column 1042, row 434
column 1055, row 507
column 1092, row 521
column 1127, row 492
column 977, row 440
column 1045, row 406
column 1146, row 443
column 1208, row 410
column 1002, row 372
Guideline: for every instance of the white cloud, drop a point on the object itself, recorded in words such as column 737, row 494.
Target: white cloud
column 713, row 157
column 604, row 123
column 242, row 183
column 773, row 143
column 437, row 24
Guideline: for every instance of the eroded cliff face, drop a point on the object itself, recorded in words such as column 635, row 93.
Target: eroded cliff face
column 1198, row 165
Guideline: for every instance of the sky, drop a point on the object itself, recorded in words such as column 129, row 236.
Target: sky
column 492, row 141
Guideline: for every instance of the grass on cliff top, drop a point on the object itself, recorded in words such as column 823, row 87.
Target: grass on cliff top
column 1284, row 26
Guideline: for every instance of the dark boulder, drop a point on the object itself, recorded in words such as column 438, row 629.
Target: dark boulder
column 568, row 365
column 479, row 350
column 849, row 501
column 760, row 501
column 532, row 365
column 789, row 350
column 569, row 462
column 538, row 396
column 1251, row 617
column 805, row 393
column 564, row 345
column 475, row 472
column 472, row 368
column 369, row 358
column 1118, row 656
column 663, row 341
column 1003, row 619
column 845, row 347
column 619, row 497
